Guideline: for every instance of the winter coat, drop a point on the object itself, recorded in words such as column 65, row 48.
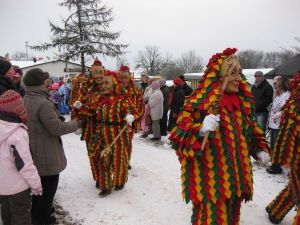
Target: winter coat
column 276, row 110
column 166, row 92
column 45, row 129
column 187, row 89
column 156, row 102
column 17, row 171
column 177, row 100
column 263, row 95
column 147, row 93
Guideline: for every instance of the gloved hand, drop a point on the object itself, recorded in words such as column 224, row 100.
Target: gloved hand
column 37, row 191
column 263, row 157
column 129, row 119
column 78, row 131
column 77, row 104
column 286, row 171
column 210, row 123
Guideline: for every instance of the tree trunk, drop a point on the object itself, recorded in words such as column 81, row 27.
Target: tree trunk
column 81, row 35
column 82, row 62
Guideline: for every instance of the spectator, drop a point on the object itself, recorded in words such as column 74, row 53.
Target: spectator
column 156, row 102
column 17, row 172
column 145, row 82
column 146, row 120
column 177, row 102
column 45, row 129
column 282, row 94
column 186, row 88
column 263, row 96
column 164, row 121
column 6, row 73
column 17, row 78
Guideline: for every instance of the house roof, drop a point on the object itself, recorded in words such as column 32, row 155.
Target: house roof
column 28, row 64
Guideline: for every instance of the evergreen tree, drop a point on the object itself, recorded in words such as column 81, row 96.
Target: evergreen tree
column 84, row 32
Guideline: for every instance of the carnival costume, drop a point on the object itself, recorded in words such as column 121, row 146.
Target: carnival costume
column 88, row 95
column 113, row 137
column 287, row 153
column 134, row 95
column 218, row 178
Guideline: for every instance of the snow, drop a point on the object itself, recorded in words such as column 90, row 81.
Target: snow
column 152, row 195
column 24, row 64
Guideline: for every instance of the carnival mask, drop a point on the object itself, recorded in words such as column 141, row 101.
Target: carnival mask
column 107, row 85
column 123, row 77
column 231, row 71
column 97, row 73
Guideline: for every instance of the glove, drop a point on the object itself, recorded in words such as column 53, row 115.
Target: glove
column 37, row 191
column 78, row 131
column 210, row 123
column 129, row 119
column 286, row 171
column 263, row 157
column 77, row 105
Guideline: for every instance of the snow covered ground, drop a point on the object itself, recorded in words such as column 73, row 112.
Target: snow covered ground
column 152, row 195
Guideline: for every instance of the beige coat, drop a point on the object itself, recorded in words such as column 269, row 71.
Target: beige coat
column 45, row 129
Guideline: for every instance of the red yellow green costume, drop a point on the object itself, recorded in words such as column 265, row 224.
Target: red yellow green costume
column 135, row 96
column 111, row 115
column 287, row 153
column 218, row 178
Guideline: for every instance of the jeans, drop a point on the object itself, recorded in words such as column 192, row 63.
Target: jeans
column 274, row 134
column 261, row 119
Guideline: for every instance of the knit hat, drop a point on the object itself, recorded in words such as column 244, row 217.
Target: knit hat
column 4, row 67
column 162, row 82
column 12, row 102
column 155, row 85
column 35, row 77
column 178, row 82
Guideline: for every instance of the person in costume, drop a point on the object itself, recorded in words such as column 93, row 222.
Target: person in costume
column 134, row 94
column 86, row 108
column 287, row 154
column 217, row 177
column 112, row 138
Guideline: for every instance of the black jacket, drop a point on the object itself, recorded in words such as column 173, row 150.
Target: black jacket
column 263, row 96
column 177, row 100
column 166, row 92
column 187, row 89
column 7, row 84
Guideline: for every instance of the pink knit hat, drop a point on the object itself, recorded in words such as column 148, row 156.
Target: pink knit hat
column 155, row 85
column 12, row 102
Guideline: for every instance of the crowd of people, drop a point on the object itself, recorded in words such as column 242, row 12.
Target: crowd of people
column 214, row 130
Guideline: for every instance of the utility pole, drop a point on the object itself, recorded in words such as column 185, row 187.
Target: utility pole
column 26, row 46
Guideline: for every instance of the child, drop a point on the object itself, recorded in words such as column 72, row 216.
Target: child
column 17, row 172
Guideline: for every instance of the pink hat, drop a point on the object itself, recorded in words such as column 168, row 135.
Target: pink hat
column 12, row 102
column 55, row 86
column 155, row 85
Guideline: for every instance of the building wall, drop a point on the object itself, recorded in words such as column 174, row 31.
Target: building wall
column 55, row 69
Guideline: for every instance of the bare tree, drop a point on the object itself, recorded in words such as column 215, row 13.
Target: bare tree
column 121, row 61
column 84, row 32
column 190, row 62
column 251, row 59
column 275, row 58
column 172, row 71
column 150, row 60
column 19, row 55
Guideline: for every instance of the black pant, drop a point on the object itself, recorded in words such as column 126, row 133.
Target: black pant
column 15, row 209
column 164, row 124
column 41, row 205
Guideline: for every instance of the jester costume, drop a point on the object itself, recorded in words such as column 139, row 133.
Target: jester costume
column 218, row 178
column 134, row 95
column 88, row 92
column 112, row 133
column 287, row 154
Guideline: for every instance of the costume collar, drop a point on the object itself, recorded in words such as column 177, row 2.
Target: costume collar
column 230, row 101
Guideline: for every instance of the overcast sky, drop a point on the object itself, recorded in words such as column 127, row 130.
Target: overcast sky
column 175, row 26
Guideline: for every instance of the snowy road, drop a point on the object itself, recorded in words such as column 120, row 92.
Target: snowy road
column 152, row 195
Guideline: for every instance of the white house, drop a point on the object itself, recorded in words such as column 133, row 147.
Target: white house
column 56, row 68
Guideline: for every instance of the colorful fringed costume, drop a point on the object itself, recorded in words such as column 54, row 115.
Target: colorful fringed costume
column 218, row 178
column 287, row 154
column 135, row 96
column 110, row 123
